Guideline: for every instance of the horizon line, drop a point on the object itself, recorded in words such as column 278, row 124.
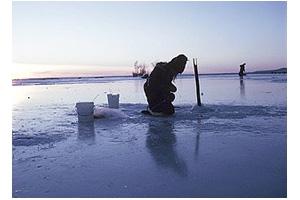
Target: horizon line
column 188, row 74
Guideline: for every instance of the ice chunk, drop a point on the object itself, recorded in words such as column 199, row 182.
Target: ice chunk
column 102, row 112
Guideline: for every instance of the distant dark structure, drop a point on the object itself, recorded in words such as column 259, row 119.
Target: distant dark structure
column 273, row 71
column 140, row 70
column 242, row 70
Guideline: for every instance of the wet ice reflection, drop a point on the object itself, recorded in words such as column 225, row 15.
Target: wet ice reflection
column 242, row 87
column 86, row 132
column 161, row 142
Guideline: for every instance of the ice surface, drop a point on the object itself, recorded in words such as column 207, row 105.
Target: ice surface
column 232, row 146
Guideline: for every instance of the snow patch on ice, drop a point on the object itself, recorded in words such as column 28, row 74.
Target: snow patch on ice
column 102, row 112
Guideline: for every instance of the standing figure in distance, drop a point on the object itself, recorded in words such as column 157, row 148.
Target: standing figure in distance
column 159, row 88
column 242, row 70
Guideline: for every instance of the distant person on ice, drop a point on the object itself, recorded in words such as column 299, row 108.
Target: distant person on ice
column 159, row 88
column 242, row 70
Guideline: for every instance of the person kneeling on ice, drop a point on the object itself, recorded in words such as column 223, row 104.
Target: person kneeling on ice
column 159, row 88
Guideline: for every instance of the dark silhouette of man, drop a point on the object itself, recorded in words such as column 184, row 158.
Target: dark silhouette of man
column 242, row 70
column 159, row 88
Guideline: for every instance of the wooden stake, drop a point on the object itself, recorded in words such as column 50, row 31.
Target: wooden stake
column 197, row 81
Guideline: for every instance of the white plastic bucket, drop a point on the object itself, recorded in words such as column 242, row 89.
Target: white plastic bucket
column 113, row 100
column 85, row 111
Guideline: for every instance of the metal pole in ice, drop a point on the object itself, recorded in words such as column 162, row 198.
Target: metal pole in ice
column 197, row 81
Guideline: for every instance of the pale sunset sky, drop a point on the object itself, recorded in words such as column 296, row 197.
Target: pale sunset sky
column 106, row 38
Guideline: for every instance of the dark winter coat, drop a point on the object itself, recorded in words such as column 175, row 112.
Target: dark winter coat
column 158, row 89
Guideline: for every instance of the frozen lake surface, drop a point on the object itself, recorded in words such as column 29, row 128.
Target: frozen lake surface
column 233, row 146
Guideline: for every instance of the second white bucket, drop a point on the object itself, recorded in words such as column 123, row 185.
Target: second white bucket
column 113, row 100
